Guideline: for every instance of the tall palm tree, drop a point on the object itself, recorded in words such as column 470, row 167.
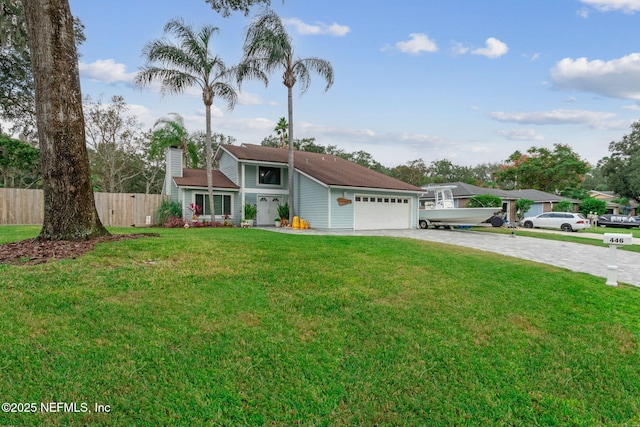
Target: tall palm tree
column 268, row 47
column 187, row 64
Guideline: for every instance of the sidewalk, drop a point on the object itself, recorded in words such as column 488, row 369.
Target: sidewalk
column 572, row 256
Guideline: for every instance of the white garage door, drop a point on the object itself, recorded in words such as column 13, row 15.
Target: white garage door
column 382, row 212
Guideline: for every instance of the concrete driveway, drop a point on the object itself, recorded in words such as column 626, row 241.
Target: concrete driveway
column 572, row 256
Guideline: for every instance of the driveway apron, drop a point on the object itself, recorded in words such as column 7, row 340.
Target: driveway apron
column 572, row 256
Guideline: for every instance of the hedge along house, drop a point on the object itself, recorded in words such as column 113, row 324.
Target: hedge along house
column 330, row 192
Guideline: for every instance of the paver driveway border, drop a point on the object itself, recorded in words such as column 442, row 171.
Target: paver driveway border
column 572, row 256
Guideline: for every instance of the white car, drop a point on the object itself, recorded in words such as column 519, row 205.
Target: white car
column 564, row 221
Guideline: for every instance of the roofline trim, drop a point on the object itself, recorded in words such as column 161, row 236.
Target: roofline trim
column 195, row 187
column 348, row 187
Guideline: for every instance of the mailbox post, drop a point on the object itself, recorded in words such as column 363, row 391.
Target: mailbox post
column 614, row 240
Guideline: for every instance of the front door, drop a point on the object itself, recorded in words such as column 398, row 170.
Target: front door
column 268, row 209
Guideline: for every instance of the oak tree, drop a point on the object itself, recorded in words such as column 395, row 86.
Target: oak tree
column 69, row 206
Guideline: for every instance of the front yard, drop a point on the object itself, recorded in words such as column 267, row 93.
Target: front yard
column 248, row 327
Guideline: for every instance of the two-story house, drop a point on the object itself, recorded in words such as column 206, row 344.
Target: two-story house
column 330, row 192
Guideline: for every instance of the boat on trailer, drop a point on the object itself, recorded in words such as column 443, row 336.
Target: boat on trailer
column 444, row 213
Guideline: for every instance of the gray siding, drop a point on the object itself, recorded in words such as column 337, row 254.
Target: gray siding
column 341, row 216
column 311, row 200
column 173, row 191
column 173, row 167
column 251, row 176
column 229, row 166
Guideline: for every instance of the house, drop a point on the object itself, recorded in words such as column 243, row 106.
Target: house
column 615, row 208
column 330, row 192
column 543, row 202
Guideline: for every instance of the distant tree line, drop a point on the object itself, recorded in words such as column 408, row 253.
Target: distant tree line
column 126, row 158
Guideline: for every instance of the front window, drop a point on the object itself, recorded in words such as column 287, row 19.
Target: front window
column 269, row 176
column 221, row 204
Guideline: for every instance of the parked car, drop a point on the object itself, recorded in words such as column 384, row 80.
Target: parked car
column 618, row 221
column 564, row 221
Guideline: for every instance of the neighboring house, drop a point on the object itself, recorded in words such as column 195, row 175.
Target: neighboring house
column 543, row 202
column 330, row 192
column 615, row 208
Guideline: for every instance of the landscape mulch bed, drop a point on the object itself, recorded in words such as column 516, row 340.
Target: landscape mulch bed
column 33, row 251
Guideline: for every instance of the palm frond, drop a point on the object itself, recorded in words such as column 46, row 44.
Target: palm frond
column 303, row 67
column 226, row 92
column 171, row 81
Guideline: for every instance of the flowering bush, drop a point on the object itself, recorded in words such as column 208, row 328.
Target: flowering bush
column 173, row 222
column 195, row 209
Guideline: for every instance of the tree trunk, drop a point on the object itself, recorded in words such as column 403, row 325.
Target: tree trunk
column 209, row 152
column 69, row 206
column 291, row 166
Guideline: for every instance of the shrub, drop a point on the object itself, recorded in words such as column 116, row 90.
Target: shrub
column 166, row 210
column 250, row 211
column 173, row 222
column 283, row 211
column 563, row 206
column 593, row 205
column 522, row 207
column 485, row 201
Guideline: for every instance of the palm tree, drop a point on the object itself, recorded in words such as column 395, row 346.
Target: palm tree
column 187, row 64
column 281, row 130
column 268, row 47
column 171, row 132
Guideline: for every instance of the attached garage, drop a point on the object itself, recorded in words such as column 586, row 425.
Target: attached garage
column 372, row 212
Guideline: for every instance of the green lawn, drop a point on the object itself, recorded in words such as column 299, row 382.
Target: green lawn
column 228, row 327
column 576, row 237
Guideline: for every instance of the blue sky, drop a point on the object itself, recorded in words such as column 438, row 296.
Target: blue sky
column 466, row 80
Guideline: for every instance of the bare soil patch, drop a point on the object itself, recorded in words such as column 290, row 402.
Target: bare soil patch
column 32, row 251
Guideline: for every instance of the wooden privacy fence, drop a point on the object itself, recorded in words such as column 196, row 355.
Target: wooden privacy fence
column 22, row 206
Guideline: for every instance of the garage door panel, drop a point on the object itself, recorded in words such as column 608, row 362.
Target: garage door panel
column 382, row 212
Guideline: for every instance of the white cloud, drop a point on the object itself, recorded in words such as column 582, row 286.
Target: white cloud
column 594, row 119
column 634, row 107
column 494, row 48
column 248, row 98
column 143, row 114
column 626, row 6
column 318, row 28
column 417, row 44
column 520, row 134
column 459, row 49
column 107, row 71
column 618, row 78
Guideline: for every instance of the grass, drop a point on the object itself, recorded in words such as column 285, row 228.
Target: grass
column 229, row 327
column 577, row 237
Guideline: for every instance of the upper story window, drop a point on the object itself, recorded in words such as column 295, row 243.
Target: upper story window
column 269, row 175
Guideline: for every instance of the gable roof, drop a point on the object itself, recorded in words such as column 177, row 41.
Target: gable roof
column 329, row 169
column 198, row 178
column 539, row 196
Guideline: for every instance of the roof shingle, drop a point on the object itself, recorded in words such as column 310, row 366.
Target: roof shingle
column 198, row 178
column 326, row 168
